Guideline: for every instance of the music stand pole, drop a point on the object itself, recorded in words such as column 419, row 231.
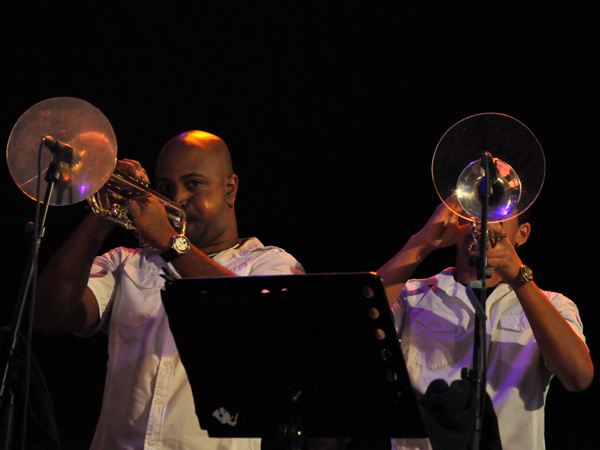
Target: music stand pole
column 479, row 373
column 26, row 299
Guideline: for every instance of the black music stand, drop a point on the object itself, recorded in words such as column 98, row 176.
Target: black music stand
column 279, row 356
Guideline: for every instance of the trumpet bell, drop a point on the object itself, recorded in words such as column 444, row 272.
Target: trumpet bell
column 518, row 162
column 91, row 173
column 76, row 123
column 505, row 190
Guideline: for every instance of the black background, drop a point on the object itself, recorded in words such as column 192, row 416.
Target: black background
column 332, row 113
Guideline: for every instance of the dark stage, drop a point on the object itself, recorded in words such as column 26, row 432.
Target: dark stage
column 332, row 113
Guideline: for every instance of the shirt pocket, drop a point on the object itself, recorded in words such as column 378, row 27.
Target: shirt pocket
column 514, row 321
column 138, row 298
column 516, row 345
column 432, row 338
column 515, row 333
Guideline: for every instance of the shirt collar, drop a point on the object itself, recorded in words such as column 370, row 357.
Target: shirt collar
column 446, row 282
column 248, row 244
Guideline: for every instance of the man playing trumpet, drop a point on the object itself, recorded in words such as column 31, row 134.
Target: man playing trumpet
column 147, row 398
column 531, row 335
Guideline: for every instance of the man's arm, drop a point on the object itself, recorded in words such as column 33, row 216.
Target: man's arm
column 441, row 230
column 64, row 303
column 195, row 264
column 563, row 350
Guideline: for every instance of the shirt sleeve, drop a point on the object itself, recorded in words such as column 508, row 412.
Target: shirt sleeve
column 568, row 310
column 102, row 283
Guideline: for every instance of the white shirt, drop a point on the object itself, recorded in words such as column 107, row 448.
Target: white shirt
column 147, row 397
column 435, row 319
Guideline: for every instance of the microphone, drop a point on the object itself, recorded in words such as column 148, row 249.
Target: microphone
column 488, row 167
column 60, row 150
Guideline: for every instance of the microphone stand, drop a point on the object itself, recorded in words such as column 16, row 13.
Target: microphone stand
column 26, row 299
column 478, row 373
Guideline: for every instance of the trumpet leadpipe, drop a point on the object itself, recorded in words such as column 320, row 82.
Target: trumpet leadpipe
column 120, row 188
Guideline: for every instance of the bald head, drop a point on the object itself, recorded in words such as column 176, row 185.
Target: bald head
column 210, row 146
column 194, row 170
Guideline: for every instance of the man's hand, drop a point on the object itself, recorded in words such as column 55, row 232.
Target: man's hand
column 501, row 254
column 151, row 221
column 132, row 168
column 443, row 228
column 147, row 212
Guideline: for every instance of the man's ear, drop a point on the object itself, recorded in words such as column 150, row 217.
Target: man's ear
column 231, row 188
column 523, row 233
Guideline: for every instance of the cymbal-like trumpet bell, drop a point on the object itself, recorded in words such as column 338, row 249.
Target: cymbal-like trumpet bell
column 91, row 172
column 75, row 123
column 518, row 166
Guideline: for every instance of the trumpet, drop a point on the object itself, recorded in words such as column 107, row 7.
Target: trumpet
column 122, row 187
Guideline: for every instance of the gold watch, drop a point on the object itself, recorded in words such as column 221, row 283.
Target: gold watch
column 524, row 277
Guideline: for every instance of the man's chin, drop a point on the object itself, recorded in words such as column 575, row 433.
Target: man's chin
column 193, row 234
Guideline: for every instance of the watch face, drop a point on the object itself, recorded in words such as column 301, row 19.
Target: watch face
column 181, row 244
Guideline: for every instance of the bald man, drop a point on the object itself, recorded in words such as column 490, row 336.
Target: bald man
column 147, row 398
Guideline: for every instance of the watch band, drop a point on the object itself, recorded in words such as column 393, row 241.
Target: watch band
column 524, row 277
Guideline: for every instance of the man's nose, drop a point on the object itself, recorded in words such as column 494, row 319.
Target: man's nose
column 180, row 197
